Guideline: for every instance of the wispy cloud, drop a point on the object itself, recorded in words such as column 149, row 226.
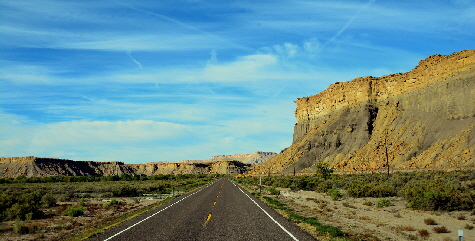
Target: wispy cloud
column 349, row 22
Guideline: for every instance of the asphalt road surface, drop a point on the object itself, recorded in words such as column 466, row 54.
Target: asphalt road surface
column 219, row 211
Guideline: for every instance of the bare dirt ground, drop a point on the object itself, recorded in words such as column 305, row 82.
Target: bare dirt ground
column 361, row 217
column 58, row 227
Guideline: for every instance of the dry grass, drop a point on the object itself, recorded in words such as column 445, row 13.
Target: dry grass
column 322, row 205
column 405, row 228
column 441, row 229
column 408, row 228
column 430, row 221
column 423, row 233
column 368, row 203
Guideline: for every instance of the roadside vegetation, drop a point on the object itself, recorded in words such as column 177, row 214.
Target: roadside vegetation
column 434, row 191
column 40, row 206
column 428, row 191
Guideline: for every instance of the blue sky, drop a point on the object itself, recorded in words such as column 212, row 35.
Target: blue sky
column 145, row 81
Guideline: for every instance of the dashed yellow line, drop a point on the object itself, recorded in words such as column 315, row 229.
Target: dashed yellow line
column 207, row 219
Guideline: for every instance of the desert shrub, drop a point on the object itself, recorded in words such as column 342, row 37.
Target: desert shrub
column 334, row 194
column 441, row 229
column 48, row 200
column 6, row 201
column 382, row 189
column 125, row 191
column 357, row 189
column 383, row 202
column 273, row 191
column 323, row 170
column 301, row 183
column 112, row 202
column 160, row 188
column 423, row 233
column 430, row 221
column 20, row 228
column 107, row 195
column 468, row 226
column 323, row 186
column 74, row 211
column 346, row 204
column 67, row 196
column 368, row 203
column 407, row 228
column 22, row 211
column 333, row 231
column 438, row 194
column 411, row 237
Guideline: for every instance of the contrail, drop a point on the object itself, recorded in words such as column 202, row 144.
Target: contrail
column 135, row 61
column 349, row 22
column 278, row 92
column 185, row 26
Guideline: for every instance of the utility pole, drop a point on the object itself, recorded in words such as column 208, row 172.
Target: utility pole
column 260, row 184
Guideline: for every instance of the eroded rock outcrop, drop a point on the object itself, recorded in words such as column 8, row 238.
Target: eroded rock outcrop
column 41, row 167
column 424, row 118
column 256, row 157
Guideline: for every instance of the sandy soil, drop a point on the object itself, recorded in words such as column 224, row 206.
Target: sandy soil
column 357, row 216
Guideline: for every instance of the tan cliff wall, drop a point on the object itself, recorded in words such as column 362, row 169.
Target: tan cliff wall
column 41, row 167
column 256, row 157
column 426, row 117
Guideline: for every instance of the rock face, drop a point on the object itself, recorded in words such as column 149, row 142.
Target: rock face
column 424, row 118
column 256, row 157
column 39, row 167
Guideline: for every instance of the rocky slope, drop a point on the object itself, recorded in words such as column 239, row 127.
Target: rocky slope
column 39, row 167
column 256, row 157
column 424, row 118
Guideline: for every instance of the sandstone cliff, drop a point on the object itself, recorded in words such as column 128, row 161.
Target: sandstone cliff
column 40, row 167
column 256, row 157
column 424, row 118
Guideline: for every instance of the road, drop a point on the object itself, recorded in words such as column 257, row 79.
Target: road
column 219, row 211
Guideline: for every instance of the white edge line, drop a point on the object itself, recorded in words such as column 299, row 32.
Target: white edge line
column 135, row 224
column 282, row 227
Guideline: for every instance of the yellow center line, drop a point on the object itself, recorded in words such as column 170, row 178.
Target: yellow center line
column 207, row 219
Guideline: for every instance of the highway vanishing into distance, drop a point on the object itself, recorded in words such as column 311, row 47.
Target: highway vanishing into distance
column 219, row 211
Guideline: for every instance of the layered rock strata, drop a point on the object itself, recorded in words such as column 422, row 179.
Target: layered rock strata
column 256, row 157
column 424, row 118
column 41, row 167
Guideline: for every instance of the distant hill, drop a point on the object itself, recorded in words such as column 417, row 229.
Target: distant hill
column 37, row 166
column 424, row 118
column 256, row 157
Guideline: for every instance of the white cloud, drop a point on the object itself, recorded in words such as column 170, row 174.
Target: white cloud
column 137, row 141
column 252, row 67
